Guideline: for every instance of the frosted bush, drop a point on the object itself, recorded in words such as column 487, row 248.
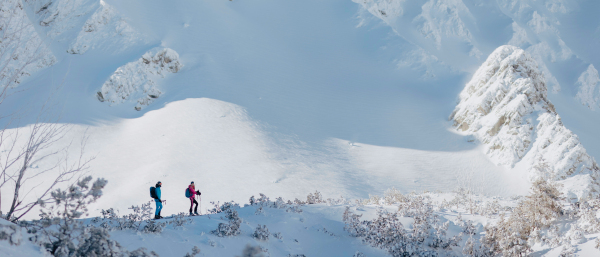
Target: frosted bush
column 358, row 254
column 154, row 227
column 97, row 242
column 180, row 220
column 340, row 201
column 510, row 236
column 261, row 233
column 11, row 233
column 279, row 203
column 259, row 210
column 294, row 209
column 427, row 237
column 252, row 251
column 373, row 199
column 393, row 196
column 195, row 251
column 314, row 198
column 232, row 227
column 353, row 224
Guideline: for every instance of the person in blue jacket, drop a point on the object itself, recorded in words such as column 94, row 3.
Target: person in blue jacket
column 158, row 201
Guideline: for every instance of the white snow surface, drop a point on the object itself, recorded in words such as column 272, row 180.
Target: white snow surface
column 137, row 81
column 288, row 97
column 14, row 241
column 505, row 106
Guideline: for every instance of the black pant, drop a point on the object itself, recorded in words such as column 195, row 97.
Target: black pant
column 193, row 201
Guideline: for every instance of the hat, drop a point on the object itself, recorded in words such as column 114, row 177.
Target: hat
column 192, row 182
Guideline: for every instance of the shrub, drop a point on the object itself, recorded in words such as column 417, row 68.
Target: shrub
column 261, row 233
column 232, row 228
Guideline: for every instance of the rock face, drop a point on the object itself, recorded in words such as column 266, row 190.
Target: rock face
column 505, row 106
column 22, row 51
column 137, row 81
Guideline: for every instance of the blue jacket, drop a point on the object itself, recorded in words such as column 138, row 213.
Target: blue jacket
column 158, row 192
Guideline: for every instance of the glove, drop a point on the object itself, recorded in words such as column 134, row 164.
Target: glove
column 198, row 192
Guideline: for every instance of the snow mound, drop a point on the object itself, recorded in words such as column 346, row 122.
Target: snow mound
column 587, row 93
column 505, row 106
column 137, row 81
column 105, row 26
column 22, row 52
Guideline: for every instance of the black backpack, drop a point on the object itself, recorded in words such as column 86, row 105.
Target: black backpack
column 153, row 193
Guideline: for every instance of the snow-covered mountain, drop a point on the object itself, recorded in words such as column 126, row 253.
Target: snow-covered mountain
column 348, row 97
column 506, row 107
column 108, row 51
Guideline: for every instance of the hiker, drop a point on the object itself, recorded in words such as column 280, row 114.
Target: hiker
column 155, row 193
column 192, row 192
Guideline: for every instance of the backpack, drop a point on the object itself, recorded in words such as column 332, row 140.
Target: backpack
column 188, row 194
column 153, row 193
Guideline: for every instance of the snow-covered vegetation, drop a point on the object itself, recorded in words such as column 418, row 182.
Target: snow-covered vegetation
column 459, row 223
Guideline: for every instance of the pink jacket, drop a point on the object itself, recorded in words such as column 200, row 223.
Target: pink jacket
column 193, row 191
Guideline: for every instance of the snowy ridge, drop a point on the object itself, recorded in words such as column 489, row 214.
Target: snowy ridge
column 588, row 93
column 104, row 26
column 136, row 81
column 505, row 106
column 22, row 52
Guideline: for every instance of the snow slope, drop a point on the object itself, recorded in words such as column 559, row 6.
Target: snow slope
column 288, row 97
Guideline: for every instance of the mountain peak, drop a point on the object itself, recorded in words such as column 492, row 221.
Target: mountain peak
column 505, row 106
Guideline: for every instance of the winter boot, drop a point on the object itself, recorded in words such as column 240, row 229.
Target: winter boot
column 156, row 217
column 191, row 214
column 196, row 213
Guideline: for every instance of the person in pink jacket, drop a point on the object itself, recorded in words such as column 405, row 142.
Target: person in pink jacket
column 193, row 201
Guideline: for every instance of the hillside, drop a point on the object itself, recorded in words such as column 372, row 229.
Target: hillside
column 347, row 97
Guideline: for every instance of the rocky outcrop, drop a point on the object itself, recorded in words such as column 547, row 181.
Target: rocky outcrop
column 137, row 81
column 22, row 51
column 505, row 106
